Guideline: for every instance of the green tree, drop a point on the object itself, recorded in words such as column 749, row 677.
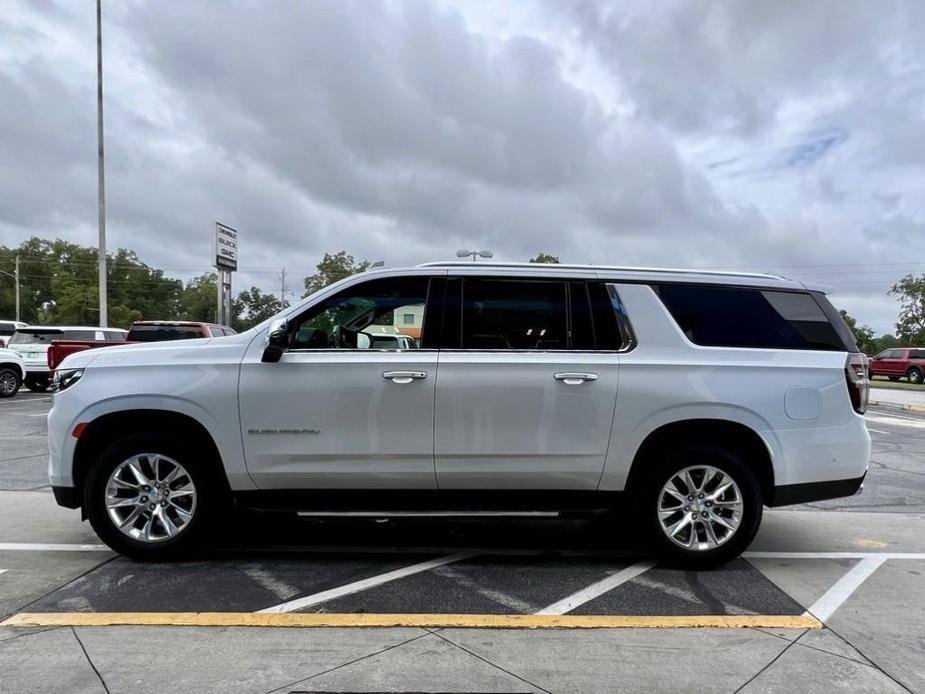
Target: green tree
column 863, row 335
column 545, row 258
column 253, row 306
column 885, row 342
column 199, row 299
column 333, row 268
column 58, row 284
column 910, row 328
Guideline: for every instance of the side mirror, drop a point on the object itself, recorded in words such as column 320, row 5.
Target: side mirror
column 276, row 341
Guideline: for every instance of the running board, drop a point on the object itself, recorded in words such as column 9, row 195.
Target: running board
column 428, row 514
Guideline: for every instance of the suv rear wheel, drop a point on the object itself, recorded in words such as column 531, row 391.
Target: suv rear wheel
column 914, row 375
column 703, row 505
column 148, row 496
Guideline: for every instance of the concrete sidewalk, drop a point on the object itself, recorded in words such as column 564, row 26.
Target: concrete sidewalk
column 912, row 400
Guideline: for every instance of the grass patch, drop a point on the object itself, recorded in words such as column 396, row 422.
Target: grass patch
column 884, row 382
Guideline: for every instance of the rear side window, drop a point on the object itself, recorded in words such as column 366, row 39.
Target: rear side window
column 505, row 314
column 745, row 317
column 917, row 353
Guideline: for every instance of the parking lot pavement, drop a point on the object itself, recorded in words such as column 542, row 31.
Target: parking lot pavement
column 829, row 596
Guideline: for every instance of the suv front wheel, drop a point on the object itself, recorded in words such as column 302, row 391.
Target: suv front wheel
column 704, row 505
column 148, row 496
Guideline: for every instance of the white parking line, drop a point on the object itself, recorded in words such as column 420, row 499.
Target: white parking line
column 835, row 596
column 877, row 431
column 366, row 583
column 41, row 547
column 833, row 555
column 566, row 605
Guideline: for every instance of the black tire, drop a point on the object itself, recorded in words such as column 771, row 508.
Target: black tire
column 914, row 375
column 732, row 464
column 37, row 385
column 10, row 381
column 211, row 495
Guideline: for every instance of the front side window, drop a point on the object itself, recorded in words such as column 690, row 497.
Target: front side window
column 369, row 315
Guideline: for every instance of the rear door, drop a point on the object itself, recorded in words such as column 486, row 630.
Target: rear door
column 526, row 385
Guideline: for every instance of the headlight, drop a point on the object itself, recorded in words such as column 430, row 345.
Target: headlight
column 65, row 378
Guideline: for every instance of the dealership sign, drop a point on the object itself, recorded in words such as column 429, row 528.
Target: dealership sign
column 226, row 248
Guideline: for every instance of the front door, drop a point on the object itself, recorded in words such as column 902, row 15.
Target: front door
column 337, row 411
column 527, row 400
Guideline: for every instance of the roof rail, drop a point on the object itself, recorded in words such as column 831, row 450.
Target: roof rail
column 606, row 268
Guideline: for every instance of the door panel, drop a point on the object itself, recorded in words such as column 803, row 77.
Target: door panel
column 330, row 419
column 503, row 419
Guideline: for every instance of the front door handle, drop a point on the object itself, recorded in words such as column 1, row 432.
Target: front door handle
column 404, row 376
column 574, row 379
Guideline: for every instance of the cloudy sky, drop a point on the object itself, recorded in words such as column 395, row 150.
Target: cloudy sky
column 767, row 136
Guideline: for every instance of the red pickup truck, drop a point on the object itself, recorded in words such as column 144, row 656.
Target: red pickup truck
column 141, row 331
column 899, row 362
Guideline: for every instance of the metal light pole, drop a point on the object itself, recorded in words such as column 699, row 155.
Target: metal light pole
column 475, row 255
column 15, row 276
column 16, row 271
column 104, row 299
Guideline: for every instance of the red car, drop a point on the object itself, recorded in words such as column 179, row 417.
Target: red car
column 899, row 362
column 141, row 331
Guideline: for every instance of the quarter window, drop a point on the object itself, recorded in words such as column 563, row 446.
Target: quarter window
column 745, row 317
column 366, row 316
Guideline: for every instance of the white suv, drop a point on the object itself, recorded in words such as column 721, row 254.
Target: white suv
column 692, row 398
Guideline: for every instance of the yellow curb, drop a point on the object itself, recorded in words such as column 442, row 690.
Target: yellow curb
column 462, row 621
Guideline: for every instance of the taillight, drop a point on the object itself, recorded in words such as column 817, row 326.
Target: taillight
column 856, row 370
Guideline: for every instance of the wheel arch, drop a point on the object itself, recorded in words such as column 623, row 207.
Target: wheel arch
column 740, row 437
column 14, row 365
column 99, row 432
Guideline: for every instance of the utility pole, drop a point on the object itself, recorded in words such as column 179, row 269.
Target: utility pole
column 16, row 277
column 104, row 299
column 283, row 287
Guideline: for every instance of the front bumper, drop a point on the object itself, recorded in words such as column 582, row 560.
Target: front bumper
column 806, row 492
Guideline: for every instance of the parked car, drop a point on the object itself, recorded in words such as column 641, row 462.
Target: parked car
column 32, row 345
column 12, row 372
column 386, row 341
column 900, row 362
column 735, row 391
column 7, row 328
column 140, row 331
column 58, row 350
column 162, row 331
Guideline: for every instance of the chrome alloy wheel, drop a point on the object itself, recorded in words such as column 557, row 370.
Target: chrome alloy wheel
column 700, row 508
column 150, row 497
column 7, row 382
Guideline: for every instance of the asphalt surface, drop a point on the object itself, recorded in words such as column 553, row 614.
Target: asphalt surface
column 847, row 562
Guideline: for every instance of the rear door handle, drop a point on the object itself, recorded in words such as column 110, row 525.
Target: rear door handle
column 574, row 379
column 404, row 376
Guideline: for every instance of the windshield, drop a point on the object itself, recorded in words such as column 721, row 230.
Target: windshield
column 163, row 333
